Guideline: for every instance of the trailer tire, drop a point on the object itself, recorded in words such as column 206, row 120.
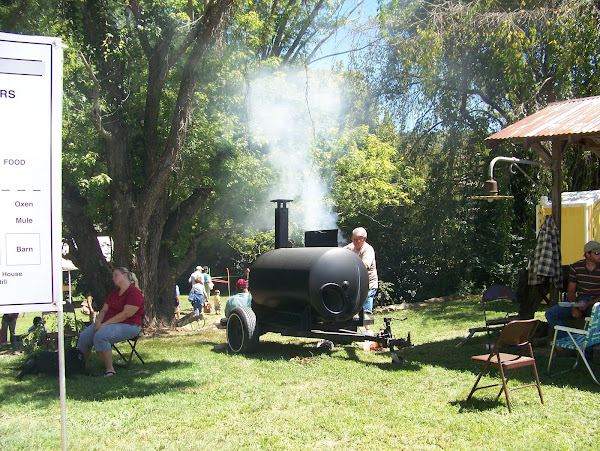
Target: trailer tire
column 242, row 330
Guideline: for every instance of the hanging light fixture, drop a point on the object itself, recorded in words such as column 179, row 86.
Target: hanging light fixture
column 490, row 187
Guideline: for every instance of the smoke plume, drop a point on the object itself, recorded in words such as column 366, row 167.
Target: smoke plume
column 289, row 110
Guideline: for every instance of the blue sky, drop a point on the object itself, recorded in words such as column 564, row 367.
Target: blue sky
column 349, row 37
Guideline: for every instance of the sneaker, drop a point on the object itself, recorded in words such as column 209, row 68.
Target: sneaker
column 357, row 317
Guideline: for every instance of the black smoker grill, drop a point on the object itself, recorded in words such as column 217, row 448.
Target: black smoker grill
column 321, row 284
column 314, row 292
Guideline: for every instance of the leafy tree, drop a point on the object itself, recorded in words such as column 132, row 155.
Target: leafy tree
column 370, row 186
column 134, row 54
column 156, row 154
column 452, row 73
column 371, row 179
column 492, row 62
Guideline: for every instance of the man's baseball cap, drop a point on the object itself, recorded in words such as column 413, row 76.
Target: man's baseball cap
column 591, row 246
column 241, row 283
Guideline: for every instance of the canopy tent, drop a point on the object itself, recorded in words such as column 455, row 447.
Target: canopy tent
column 68, row 266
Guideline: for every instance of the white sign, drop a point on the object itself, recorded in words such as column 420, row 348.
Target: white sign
column 30, row 173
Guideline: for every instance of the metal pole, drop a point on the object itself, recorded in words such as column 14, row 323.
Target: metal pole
column 228, row 284
column 513, row 160
column 61, row 377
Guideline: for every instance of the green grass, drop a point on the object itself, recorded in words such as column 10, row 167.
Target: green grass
column 190, row 396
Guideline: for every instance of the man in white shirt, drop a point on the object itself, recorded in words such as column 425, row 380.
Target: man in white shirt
column 195, row 275
column 366, row 253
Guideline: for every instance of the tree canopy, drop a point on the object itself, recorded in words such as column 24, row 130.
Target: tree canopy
column 156, row 150
column 161, row 153
column 452, row 73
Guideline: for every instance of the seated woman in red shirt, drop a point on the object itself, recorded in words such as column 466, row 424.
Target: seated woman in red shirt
column 119, row 319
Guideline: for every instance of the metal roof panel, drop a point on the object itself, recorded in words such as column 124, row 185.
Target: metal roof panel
column 569, row 117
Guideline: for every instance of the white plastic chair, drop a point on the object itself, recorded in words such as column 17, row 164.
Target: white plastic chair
column 579, row 339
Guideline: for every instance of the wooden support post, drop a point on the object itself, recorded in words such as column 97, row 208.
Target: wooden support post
column 557, row 151
column 557, row 147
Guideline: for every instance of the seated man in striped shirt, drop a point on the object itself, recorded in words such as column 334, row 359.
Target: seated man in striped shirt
column 583, row 289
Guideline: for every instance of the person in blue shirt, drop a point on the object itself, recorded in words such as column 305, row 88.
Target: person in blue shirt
column 242, row 299
column 38, row 324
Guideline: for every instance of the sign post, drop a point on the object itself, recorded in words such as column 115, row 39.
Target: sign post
column 30, row 181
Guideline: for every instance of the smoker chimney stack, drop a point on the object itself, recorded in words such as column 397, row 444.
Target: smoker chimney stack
column 281, row 223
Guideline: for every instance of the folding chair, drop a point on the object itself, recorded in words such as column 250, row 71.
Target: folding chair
column 128, row 357
column 579, row 339
column 516, row 334
column 494, row 296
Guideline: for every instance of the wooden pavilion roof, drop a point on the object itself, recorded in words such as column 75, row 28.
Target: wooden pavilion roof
column 575, row 121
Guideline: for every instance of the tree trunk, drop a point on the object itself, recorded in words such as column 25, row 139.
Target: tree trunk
column 159, row 312
column 141, row 213
column 85, row 251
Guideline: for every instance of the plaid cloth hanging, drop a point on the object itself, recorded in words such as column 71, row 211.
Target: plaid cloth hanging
column 546, row 258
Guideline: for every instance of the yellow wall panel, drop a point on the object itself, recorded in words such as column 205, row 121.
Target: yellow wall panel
column 580, row 222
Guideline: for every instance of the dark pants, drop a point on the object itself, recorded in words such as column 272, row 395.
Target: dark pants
column 557, row 315
column 8, row 322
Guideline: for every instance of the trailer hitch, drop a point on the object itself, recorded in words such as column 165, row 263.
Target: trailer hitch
column 392, row 342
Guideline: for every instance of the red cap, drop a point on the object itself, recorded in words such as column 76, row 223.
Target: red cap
column 241, row 284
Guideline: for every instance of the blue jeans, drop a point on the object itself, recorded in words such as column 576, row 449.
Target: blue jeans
column 198, row 306
column 557, row 315
column 106, row 336
column 368, row 307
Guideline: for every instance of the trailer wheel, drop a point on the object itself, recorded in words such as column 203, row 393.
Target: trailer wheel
column 242, row 330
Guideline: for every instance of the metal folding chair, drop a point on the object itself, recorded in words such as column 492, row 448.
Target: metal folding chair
column 128, row 356
column 516, row 334
column 494, row 295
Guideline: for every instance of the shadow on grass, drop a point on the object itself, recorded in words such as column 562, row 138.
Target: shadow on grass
column 307, row 350
column 445, row 354
column 481, row 404
column 127, row 383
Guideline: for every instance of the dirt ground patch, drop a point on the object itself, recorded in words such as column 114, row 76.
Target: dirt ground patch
column 157, row 332
column 413, row 305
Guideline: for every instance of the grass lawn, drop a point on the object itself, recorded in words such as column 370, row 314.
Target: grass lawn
column 189, row 395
